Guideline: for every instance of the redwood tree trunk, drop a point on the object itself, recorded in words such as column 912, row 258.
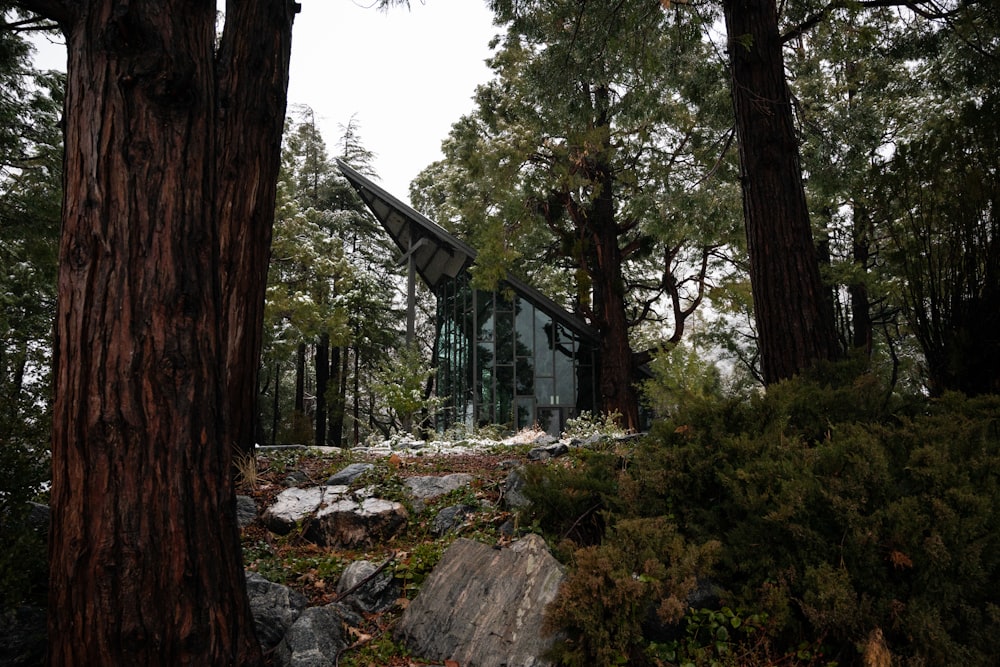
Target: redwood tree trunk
column 252, row 65
column 795, row 323
column 145, row 563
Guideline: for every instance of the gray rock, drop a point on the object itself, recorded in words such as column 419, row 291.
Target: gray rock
column 351, row 523
column 450, row 518
column 314, row 640
column 426, row 488
column 483, row 606
column 377, row 594
column 274, row 608
column 547, row 452
column 246, row 510
column 296, row 478
column 349, row 474
column 295, row 505
column 513, row 494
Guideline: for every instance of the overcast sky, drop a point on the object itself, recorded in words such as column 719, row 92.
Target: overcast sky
column 405, row 75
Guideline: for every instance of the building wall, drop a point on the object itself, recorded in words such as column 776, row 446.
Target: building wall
column 504, row 360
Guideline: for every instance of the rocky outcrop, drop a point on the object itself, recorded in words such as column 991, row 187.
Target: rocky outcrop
column 483, row 606
column 426, row 488
column 274, row 608
column 368, row 588
column 317, row 638
column 335, row 516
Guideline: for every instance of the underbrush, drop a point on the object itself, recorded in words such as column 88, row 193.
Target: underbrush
column 830, row 529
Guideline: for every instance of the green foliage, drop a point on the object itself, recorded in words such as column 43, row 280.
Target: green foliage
column 681, row 376
column 413, row 567
column 837, row 517
column 643, row 564
column 717, row 637
column 572, row 502
column 30, row 197
column 401, row 381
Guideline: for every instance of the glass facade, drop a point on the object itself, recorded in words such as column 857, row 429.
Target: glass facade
column 506, row 359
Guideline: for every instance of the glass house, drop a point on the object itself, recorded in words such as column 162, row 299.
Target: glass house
column 511, row 357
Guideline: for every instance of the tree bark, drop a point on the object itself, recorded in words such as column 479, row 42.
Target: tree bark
column 795, row 323
column 322, row 379
column 338, row 370
column 252, row 65
column 145, row 562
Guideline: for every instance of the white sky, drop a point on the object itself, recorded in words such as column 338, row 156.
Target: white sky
column 406, row 76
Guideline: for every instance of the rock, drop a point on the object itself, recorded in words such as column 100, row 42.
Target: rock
column 246, row 511
column 296, row 478
column 315, row 639
column 274, row 608
column 350, row 523
column 483, row 607
column 513, row 494
column 547, row 452
column 334, row 517
column 349, row 474
column 295, row 504
column 427, row 488
column 450, row 518
column 374, row 595
column 23, row 638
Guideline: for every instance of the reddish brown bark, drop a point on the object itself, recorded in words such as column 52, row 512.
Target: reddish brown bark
column 145, row 563
column 252, row 83
column 795, row 324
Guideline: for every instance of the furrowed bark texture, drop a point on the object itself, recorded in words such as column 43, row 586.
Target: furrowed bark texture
column 795, row 324
column 253, row 80
column 145, row 563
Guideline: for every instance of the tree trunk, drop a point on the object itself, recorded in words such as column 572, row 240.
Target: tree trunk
column 145, row 563
column 322, row 379
column 338, row 367
column 795, row 323
column 300, row 379
column 252, row 71
column 276, row 404
column 617, row 374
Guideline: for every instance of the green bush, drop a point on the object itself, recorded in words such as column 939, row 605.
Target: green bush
column 839, row 518
column 644, row 565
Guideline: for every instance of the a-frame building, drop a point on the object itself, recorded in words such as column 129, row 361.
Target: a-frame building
column 511, row 357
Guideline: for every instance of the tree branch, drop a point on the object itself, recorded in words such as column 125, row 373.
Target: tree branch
column 63, row 12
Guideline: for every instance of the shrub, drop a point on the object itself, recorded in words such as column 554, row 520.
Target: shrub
column 644, row 565
column 838, row 519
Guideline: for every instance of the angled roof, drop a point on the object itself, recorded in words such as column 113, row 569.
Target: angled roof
column 439, row 255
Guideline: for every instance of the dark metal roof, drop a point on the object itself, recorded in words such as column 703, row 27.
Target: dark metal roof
column 438, row 254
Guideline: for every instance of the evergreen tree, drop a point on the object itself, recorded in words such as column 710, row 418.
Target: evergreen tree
column 592, row 162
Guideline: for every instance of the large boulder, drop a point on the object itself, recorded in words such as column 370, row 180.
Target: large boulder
column 513, row 491
column 483, row 606
column 317, row 637
column 334, row 516
column 274, row 607
column 363, row 587
column 427, row 488
column 357, row 523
